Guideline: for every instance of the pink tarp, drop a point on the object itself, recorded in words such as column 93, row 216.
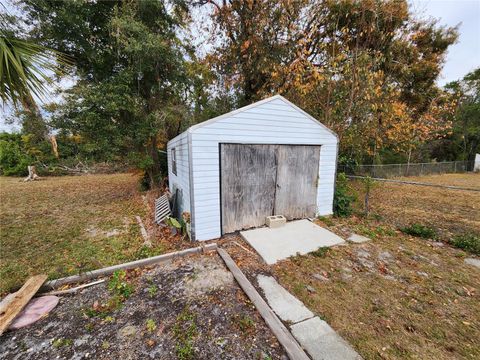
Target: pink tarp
column 34, row 311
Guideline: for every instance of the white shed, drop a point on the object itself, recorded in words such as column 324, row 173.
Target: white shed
column 267, row 158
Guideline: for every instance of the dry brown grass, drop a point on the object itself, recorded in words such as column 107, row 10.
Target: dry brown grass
column 450, row 212
column 66, row 225
column 422, row 303
column 466, row 180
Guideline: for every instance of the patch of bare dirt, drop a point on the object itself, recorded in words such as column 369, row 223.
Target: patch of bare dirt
column 189, row 309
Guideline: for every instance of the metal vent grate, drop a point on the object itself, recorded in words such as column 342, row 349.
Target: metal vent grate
column 162, row 209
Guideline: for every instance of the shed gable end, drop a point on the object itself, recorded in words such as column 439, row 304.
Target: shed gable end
column 273, row 116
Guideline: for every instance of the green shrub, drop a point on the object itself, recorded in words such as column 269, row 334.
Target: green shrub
column 13, row 158
column 348, row 164
column 343, row 197
column 118, row 284
column 467, row 242
column 419, row 230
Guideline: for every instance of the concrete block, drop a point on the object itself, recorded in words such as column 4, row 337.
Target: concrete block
column 321, row 342
column 473, row 262
column 284, row 304
column 355, row 238
column 276, row 221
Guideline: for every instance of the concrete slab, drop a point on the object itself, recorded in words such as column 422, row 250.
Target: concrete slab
column 300, row 236
column 284, row 304
column 355, row 238
column 321, row 342
column 473, row 261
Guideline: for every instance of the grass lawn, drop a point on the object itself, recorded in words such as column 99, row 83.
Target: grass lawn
column 399, row 296
column 450, row 212
column 65, row 225
column 395, row 297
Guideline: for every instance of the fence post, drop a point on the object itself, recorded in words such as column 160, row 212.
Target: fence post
column 455, row 167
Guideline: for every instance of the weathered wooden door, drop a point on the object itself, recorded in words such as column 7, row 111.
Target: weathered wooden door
column 297, row 181
column 262, row 180
column 248, row 175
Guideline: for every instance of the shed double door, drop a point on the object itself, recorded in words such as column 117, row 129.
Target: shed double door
column 262, row 180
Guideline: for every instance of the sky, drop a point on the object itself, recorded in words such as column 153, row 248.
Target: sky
column 462, row 57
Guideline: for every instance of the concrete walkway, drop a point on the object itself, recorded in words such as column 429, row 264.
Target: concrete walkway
column 285, row 305
column 473, row 261
column 319, row 340
column 301, row 236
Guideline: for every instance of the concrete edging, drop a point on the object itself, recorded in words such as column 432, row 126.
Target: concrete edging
column 285, row 338
column 52, row 284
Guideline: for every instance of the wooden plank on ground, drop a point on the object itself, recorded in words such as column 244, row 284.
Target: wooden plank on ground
column 146, row 239
column 20, row 300
column 285, row 338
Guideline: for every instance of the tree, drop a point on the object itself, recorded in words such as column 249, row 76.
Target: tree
column 131, row 95
column 26, row 70
column 352, row 64
column 250, row 39
column 466, row 125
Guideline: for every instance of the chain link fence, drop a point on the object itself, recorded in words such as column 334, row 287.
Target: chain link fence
column 400, row 170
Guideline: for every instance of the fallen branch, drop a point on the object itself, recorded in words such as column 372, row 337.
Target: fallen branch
column 72, row 290
column 74, row 170
column 243, row 247
column 32, row 174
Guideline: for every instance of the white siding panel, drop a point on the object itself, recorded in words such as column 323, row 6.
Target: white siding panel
column 273, row 122
column 256, row 136
column 202, row 197
column 326, row 186
column 182, row 179
column 238, row 123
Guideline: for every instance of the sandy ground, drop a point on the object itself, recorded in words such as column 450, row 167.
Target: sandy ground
column 196, row 312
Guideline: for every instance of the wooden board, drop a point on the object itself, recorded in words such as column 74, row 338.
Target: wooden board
column 20, row 300
column 297, row 181
column 248, row 175
column 285, row 338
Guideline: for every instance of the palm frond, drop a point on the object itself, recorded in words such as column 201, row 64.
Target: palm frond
column 26, row 69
